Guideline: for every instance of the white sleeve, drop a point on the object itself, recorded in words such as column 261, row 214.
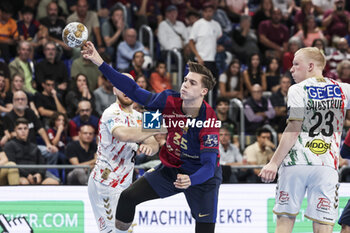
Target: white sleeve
column 114, row 120
column 295, row 103
column 223, row 78
column 194, row 31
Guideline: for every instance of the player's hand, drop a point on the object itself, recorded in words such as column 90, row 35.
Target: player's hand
column 17, row 225
column 268, row 173
column 182, row 181
column 89, row 52
column 144, row 149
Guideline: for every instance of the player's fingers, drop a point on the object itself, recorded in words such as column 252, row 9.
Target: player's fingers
column 4, row 223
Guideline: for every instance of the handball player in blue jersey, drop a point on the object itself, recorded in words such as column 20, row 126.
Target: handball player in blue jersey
column 190, row 157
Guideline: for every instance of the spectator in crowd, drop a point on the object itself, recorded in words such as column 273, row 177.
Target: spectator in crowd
column 294, row 44
column 236, row 9
column 135, row 67
column 104, row 96
column 320, row 44
column 58, row 130
column 147, row 12
column 81, row 152
column 222, row 108
column 172, row 33
column 28, row 27
column 260, row 152
column 4, row 107
column 17, row 84
column 79, row 91
column 51, row 67
column 342, row 53
column 20, row 109
column 191, row 17
column 24, row 66
column 8, row 176
column 5, row 71
column 44, row 4
column 87, row 68
column 279, row 103
column 143, row 82
column 254, row 74
column 244, row 40
column 127, row 49
column 343, row 71
column 160, row 79
column 273, row 35
column 273, row 75
column 8, row 32
column 287, row 8
column 229, row 156
column 203, row 41
column 112, row 31
column 221, row 17
column 84, row 117
column 336, row 20
column 258, row 110
column 307, row 9
column 90, row 20
column 309, row 31
column 21, row 150
column 55, row 26
column 48, row 102
column 231, row 81
column 263, row 13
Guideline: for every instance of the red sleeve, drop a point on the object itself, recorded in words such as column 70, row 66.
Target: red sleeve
column 51, row 134
column 73, row 129
column 262, row 28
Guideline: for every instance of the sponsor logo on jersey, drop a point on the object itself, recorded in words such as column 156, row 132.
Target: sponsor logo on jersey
column 101, row 223
column 318, row 146
column 284, row 197
column 211, row 140
column 326, row 92
column 323, row 204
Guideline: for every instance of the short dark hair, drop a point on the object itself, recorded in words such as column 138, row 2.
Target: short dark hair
column 208, row 79
column 134, row 55
column 160, row 63
column 222, row 99
column 263, row 130
column 27, row 9
column 21, row 120
column 226, row 127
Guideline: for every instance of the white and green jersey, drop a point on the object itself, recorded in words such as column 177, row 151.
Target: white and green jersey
column 320, row 103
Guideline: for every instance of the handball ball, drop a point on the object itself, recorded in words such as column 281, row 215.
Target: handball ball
column 75, row 34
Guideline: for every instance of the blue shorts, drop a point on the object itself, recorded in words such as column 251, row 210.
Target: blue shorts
column 202, row 198
column 345, row 216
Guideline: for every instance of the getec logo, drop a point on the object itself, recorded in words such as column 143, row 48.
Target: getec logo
column 152, row 120
column 318, row 146
column 47, row 216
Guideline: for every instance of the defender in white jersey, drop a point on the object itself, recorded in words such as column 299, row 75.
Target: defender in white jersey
column 119, row 135
column 309, row 148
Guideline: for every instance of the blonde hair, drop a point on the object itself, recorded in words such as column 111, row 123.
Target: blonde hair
column 314, row 54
